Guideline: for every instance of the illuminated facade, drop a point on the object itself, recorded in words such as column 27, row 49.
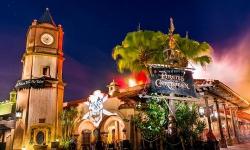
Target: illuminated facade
column 229, row 123
column 106, row 117
column 7, row 121
column 41, row 88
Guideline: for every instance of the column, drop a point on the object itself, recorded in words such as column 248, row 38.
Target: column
column 172, row 104
column 132, row 133
column 223, row 143
column 235, row 139
column 237, row 127
column 210, row 135
column 3, row 137
column 136, row 138
column 229, row 140
column 118, row 131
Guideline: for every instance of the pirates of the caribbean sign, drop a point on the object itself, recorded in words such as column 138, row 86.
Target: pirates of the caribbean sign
column 168, row 80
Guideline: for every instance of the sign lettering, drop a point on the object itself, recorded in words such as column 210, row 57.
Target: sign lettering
column 169, row 80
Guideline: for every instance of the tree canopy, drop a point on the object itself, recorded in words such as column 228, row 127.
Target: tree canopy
column 151, row 118
column 140, row 48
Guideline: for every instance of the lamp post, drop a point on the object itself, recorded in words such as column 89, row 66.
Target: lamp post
column 201, row 111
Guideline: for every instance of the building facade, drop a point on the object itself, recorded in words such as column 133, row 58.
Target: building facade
column 40, row 89
column 7, row 121
column 226, row 119
column 104, row 117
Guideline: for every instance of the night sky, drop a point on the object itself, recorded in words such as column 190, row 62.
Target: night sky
column 93, row 28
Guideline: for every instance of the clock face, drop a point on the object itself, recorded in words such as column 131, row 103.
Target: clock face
column 47, row 39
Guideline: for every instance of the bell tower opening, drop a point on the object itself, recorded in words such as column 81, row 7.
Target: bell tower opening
column 46, row 71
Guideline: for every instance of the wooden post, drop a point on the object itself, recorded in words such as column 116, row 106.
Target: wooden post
column 172, row 104
column 118, row 129
column 235, row 139
column 3, row 136
column 223, row 143
column 210, row 135
column 136, row 138
column 229, row 140
column 132, row 133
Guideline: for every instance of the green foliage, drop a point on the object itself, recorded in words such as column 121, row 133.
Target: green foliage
column 69, row 118
column 65, row 144
column 188, row 122
column 139, row 48
column 152, row 118
column 146, row 47
column 193, row 50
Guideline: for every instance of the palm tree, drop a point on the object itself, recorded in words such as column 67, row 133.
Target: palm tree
column 197, row 52
column 140, row 48
column 69, row 118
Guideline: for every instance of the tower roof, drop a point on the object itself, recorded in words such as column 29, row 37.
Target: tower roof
column 47, row 18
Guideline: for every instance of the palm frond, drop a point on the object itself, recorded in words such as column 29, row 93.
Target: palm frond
column 142, row 47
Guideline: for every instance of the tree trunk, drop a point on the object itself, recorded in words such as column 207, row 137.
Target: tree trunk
column 182, row 143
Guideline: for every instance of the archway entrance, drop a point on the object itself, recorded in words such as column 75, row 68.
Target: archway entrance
column 86, row 137
column 112, row 130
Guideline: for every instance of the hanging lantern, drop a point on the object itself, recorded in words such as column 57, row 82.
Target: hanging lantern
column 19, row 113
column 201, row 111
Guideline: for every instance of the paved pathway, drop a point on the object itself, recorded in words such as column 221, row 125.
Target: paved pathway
column 238, row 147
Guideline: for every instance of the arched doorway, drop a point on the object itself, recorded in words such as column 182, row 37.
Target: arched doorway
column 86, row 138
column 112, row 130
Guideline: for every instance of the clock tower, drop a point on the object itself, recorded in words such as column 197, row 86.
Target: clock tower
column 40, row 89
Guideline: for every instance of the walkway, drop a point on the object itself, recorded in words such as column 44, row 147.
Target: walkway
column 245, row 146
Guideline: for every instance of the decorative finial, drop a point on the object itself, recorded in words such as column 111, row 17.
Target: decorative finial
column 139, row 27
column 171, row 27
